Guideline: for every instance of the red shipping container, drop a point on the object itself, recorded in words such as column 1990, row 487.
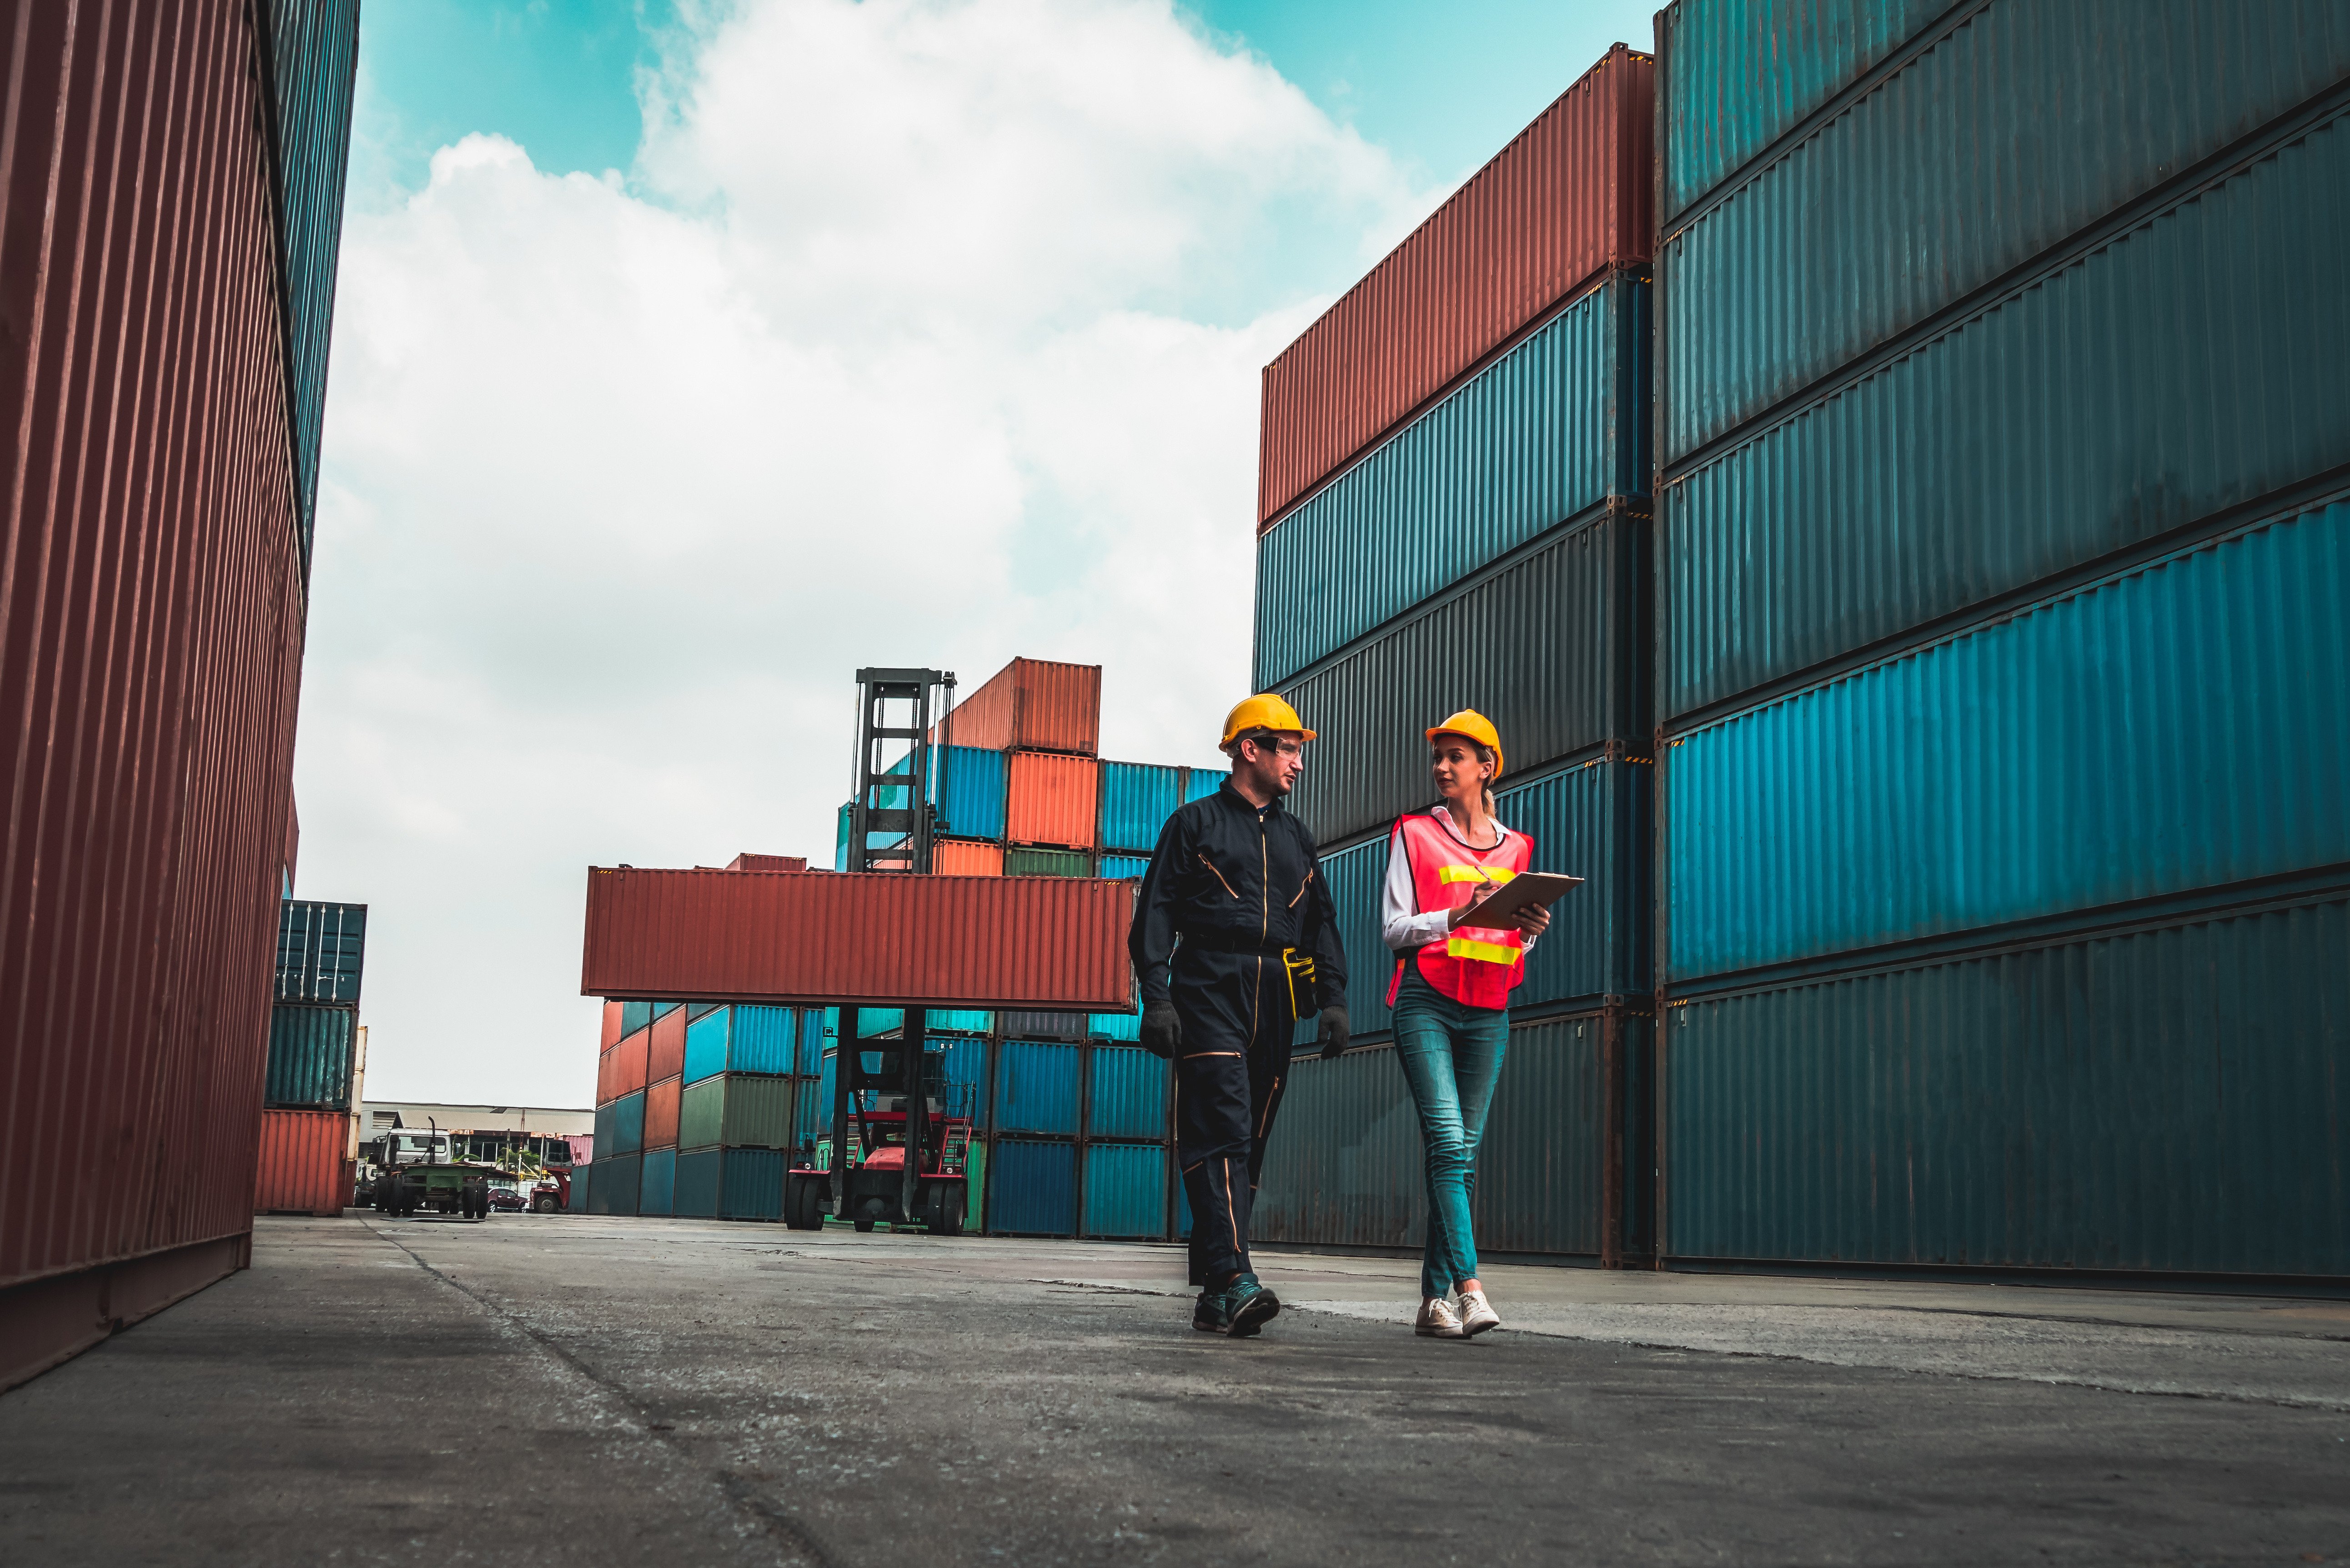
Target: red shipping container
column 661, row 1113
column 304, row 1167
column 1568, row 200
column 822, row 937
column 603, row 1095
column 630, row 1059
column 746, row 861
column 1031, row 703
column 1050, row 799
column 152, row 587
column 665, row 1055
column 613, row 1016
column 966, row 857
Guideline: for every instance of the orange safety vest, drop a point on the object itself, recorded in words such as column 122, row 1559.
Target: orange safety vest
column 1474, row 966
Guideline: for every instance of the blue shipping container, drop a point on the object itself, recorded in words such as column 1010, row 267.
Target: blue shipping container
column 628, row 1125
column 1136, row 799
column 1198, row 783
column 970, row 792
column 634, row 1015
column 614, row 1191
column 1115, row 1025
column 750, row 1183
column 657, row 1182
column 959, row 1021
column 312, row 1051
column 962, row 1075
column 2180, row 725
column 1032, row 1188
column 1547, row 432
column 1122, row 868
column 1126, row 1189
column 2188, row 367
column 1129, row 1094
column 871, row 1022
column 1036, row 1086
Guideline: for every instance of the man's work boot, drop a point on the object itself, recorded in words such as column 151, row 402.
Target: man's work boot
column 1248, row 1306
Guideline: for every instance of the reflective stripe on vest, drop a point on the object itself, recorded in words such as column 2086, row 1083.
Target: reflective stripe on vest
column 1475, row 965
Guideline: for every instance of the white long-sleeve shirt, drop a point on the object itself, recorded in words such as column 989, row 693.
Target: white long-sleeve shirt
column 1401, row 920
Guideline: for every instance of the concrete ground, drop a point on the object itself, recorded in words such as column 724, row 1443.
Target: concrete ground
column 575, row 1391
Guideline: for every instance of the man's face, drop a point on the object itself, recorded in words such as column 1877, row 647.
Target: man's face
column 1276, row 763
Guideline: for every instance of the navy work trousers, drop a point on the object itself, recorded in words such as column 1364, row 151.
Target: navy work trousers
column 1229, row 1073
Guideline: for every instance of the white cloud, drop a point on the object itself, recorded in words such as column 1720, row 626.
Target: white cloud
column 923, row 333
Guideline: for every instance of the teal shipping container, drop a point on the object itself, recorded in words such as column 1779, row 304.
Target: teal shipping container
column 321, row 952
column 617, row 1178
column 1198, row 783
column 620, row 1125
column 730, row 1184
column 1547, row 433
column 657, row 1182
column 1115, row 1025
column 812, row 1109
column 742, row 1039
column 583, row 1177
column 1032, row 1188
column 1136, row 799
column 312, row 1054
column 2177, row 725
column 1036, row 1086
column 962, row 1075
column 968, row 791
column 1126, row 1190
column 635, row 1015
column 808, row 1057
column 872, row 1022
column 958, row 1021
column 1120, row 867
column 1128, row 1097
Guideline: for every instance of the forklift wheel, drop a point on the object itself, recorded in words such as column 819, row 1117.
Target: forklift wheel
column 863, row 1224
column 946, row 1211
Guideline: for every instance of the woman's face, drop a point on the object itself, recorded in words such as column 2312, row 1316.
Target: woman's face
column 1460, row 775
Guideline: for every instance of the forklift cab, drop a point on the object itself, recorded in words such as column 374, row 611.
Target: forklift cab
column 864, row 1175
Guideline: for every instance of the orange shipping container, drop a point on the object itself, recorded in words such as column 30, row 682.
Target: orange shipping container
column 966, row 857
column 611, row 1026
column 1031, row 704
column 1051, row 799
column 628, row 1062
column 302, row 1169
column 660, row 1111
column 665, row 1055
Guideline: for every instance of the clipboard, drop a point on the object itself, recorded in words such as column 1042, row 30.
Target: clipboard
column 1525, row 888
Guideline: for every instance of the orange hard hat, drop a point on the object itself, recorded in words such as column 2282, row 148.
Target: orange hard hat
column 1472, row 725
column 1263, row 712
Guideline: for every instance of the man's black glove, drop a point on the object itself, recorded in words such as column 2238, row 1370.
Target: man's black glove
column 1161, row 1033
column 1334, row 1030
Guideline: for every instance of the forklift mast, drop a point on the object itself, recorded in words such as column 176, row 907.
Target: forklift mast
column 892, row 804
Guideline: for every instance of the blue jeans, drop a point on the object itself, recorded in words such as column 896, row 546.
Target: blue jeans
column 1451, row 1057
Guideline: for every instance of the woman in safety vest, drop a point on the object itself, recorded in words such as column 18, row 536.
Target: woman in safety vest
column 1451, row 994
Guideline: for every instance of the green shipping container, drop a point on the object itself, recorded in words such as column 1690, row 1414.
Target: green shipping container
column 739, row 1110
column 1048, row 863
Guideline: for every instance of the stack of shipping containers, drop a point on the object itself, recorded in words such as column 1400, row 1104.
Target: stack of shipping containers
column 1455, row 513
column 310, row 1095
column 2003, row 690
column 175, row 184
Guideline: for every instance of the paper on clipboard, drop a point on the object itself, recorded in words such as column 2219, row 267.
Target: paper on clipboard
column 1525, row 888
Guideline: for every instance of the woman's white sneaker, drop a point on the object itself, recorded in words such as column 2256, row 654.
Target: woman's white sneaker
column 1438, row 1321
column 1477, row 1315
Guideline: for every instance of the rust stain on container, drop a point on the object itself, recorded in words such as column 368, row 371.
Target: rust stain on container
column 1051, row 799
column 304, row 1167
column 819, row 937
column 1570, row 198
column 150, row 641
column 1035, row 704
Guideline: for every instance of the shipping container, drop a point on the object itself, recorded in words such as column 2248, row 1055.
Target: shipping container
column 618, row 1181
column 2182, row 724
column 306, row 1166
column 612, row 1030
column 1344, row 1165
column 657, row 1184
column 631, row 1061
column 1043, row 1025
column 1127, row 1095
column 1023, row 862
column 662, row 1113
column 1198, row 783
column 2023, row 124
column 1032, row 1188
column 955, row 857
column 1126, row 1190
column 321, row 950
column 1544, row 435
column 872, row 1022
column 969, row 793
column 963, row 1077
column 625, row 1131
column 730, row 1184
column 1591, row 821
column 152, row 579
column 747, row 861
column 812, row 1107
column 1051, row 799
column 1136, row 799
column 749, row 1039
column 583, row 1177
column 313, row 1053
column 1124, row 867
column 1036, row 1086
column 1553, row 647
column 1570, row 198
column 1031, row 704
column 959, row 1021
column 1115, row 1025
column 2146, row 381
column 665, row 1045
column 819, row 937
column 694, row 1009
column 2165, row 1096
column 738, row 1110
column 1736, row 76
column 635, row 1015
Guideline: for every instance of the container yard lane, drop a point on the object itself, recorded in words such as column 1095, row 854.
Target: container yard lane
column 381, row 1391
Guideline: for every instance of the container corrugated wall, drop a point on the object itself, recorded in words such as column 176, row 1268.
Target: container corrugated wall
column 1036, row 1086
column 1136, row 799
column 665, row 1045
column 1128, row 1097
column 1126, row 1190
column 657, row 1182
column 1051, row 799
column 1032, row 1188
column 970, row 793
column 1545, row 433
column 955, row 857
column 304, row 1163
column 738, row 1111
column 662, row 1109
column 1034, row 705
column 627, row 1127
column 1027, row 862
column 321, row 952
column 154, row 596
column 1569, row 198
column 312, row 1053
column 618, row 1179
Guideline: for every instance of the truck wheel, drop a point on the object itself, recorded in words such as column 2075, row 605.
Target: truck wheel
column 544, row 1205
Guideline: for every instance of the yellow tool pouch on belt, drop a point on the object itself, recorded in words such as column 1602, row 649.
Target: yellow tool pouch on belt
column 1304, row 998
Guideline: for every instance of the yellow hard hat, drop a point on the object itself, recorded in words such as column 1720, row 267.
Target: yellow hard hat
column 1263, row 712
column 1476, row 727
